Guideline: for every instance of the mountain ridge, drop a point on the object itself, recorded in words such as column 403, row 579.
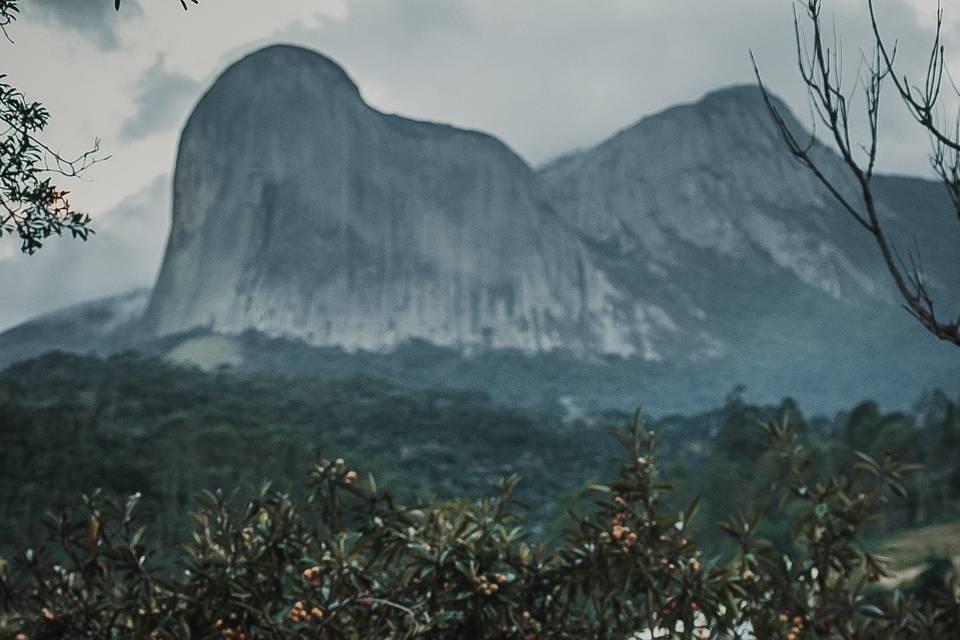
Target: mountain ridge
column 349, row 234
column 687, row 239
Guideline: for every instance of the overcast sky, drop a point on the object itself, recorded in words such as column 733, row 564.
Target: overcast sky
column 546, row 76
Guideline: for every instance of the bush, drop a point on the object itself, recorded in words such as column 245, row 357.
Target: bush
column 347, row 562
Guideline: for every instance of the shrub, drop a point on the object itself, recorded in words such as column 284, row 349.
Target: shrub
column 348, row 562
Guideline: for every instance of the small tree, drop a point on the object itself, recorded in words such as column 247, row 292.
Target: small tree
column 31, row 205
column 821, row 69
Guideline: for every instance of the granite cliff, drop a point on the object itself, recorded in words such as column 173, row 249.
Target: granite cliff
column 298, row 210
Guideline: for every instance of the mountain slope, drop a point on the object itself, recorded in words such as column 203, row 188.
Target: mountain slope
column 715, row 177
column 301, row 211
column 707, row 193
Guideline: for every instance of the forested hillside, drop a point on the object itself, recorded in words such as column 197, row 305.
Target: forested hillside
column 130, row 423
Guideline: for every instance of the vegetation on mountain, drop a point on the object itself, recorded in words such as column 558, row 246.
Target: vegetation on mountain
column 340, row 557
column 133, row 423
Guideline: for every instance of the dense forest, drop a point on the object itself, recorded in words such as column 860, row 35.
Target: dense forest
column 745, row 521
column 132, row 423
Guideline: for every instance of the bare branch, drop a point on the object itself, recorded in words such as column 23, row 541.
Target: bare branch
column 922, row 104
column 821, row 70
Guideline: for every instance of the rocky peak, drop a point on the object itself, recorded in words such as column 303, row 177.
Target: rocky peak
column 299, row 210
column 713, row 176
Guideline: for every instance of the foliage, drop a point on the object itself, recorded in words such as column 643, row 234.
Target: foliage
column 31, row 206
column 346, row 561
column 138, row 424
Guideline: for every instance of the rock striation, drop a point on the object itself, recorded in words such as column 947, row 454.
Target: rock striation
column 299, row 210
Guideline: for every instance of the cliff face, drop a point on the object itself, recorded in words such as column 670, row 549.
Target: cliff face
column 714, row 180
column 299, row 210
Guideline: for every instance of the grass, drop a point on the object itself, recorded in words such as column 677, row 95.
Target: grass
column 908, row 551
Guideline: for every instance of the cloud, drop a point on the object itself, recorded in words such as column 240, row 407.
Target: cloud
column 162, row 99
column 96, row 20
column 547, row 79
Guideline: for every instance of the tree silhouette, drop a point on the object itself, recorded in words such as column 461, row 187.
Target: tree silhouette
column 32, row 206
column 821, row 68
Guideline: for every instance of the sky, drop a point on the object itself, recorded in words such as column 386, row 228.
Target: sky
column 545, row 76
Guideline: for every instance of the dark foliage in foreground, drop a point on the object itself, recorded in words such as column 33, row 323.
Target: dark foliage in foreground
column 347, row 562
column 31, row 206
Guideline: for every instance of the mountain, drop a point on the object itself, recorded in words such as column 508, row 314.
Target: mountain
column 707, row 193
column 713, row 180
column 301, row 211
column 684, row 254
